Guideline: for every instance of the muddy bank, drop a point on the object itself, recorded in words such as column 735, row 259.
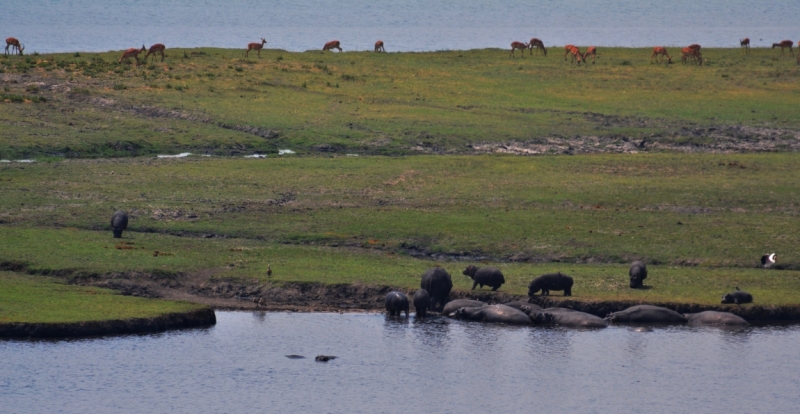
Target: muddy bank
column 193, row 319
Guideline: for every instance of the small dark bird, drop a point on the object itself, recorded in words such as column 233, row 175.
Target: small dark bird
column 269, row 270
column 768, row 260
column 324, row 358
column 119, row 222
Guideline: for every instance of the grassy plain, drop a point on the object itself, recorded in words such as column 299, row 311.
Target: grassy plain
column 216, row 101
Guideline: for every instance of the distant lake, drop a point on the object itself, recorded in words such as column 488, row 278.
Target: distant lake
column 404, row 25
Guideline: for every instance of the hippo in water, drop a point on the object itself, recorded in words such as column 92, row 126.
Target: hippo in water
column 457, row 304
column 646, row 314
column 715, row 318
column 438, row 284
column 396, row 302
column 422, row 300
column 119, row 222
column 566, row 317
column 494, row 314
column 489, row 276
column 551, row 281
column 738, row 297
column 637, row 273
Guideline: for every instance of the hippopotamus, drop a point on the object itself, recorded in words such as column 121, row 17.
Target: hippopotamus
column 567, row 317
column 396, row 302
column 489, row 276
column 457, row 304
column 422, row 300
column 646, row 314
column 493, row 313
column 523, row 306
column 714, row 318
column 737, row 297
column 638, row 273
column 438, row 284
column 119, row 222
column 551, row 281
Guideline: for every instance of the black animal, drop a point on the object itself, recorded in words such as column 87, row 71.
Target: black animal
column 457, row 304
column 551, row 281
column 738, row 297
column 438, row 284
column 638, row 274
column 422, row 300
column 324, row 358
column 489, row 276
column 396, row 303
column 768, row 260
column 119, row 222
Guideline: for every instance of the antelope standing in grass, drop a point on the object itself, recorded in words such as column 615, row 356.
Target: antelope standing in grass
column 333, row 44
column 590, row 51
column 156, row 48
column 659, row 52
column 13, row 43
column 783, row 45
column 567, row 51
column 132, row 52
column 538, row 44
column 745, row 44
column 255, row 46
column 518, row 45
column 379, row 46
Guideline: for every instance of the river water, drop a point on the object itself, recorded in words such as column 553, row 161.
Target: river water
column 404, row 25
column 396, row 365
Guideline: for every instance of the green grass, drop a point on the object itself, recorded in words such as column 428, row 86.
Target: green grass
column 396, row 103
column 26, row 299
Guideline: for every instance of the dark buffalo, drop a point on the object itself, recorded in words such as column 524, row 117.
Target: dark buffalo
column 638, row 274
column 457, row 304
column 566, row 317
column 489, row 276
column 396, row 303
column 493, row 313
column 438, row 284
column 551, row 281
column 738, row 297
column 714, row 318
column 646, row 314
column 119, row 222
column 422, row 300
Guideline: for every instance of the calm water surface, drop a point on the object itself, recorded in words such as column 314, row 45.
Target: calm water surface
column 394, row 365
column 404, row 25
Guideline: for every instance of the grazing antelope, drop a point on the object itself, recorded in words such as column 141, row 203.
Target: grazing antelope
column 694, row 54
column 538, row 44
column 745, row 44
column 783, row 45
column 255, row 46
column 132, row 52
column 13, row 43
column 379, row 46
column 660, row 51
column 518, row 45
column 333, row 44
column 590, row 51
column 156, row 48
column 576, row 55
column 567, row 50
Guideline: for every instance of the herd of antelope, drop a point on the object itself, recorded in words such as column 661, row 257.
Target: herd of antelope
column 690, row 53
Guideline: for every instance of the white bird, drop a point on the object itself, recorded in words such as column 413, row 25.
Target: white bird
column 768, row 260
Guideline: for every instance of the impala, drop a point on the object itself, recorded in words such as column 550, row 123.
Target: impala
column 156, row 48
column 538, row 44
column 333, row 44
column 693, row 53
column 590, row 51
column 745, row 44
column 576, row 55
column 567, row 50
column 379, row 46
column 255, row 46
column 660, row 51
column 783, row 45
column 13, row 43
column 518, row 45
column 132, row 52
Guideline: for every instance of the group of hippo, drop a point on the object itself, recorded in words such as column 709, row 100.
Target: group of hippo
column 436, row 285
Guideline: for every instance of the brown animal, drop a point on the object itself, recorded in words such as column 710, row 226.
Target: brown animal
column 333, row 44
column 132, row 52
column 13, row 43
column 567, row 51
column 745, row 44
column 156, row 48
column 660, row 52
column 590, row 51
column 379, row 46
column 538, row 44
column 783, row 45
column 691, row 53
column 518, row 45
column 255, row 46
column 576, row 55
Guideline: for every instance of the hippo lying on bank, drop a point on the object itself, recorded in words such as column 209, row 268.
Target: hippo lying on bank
column 737, row 297
column 119, row 222
column 489, row 276
column 396, row 302
column 567, row 317
column 523, row 306
column 457, row 304
column 637, row 273
column 422, row 300
column 714, row 318
column 494, row 314
column 646, row 314
column 438, row 284
column 551, row 281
